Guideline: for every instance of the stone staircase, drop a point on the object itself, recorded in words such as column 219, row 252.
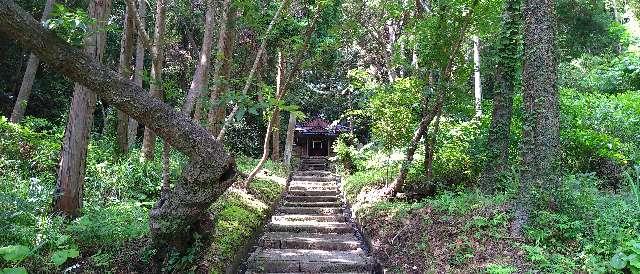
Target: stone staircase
column 309, row 232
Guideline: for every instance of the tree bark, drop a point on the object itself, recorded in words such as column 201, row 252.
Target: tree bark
column 541, row 130
column 210, row 170
column 282, row 9
column 126, row 50
column 499, row 138
column 73, row 156
column 139, row 67
column 155, row 85
column 201, row 75
column 221, row 70
column 288, row 147
column 275, row 135
column 29, row 75
column 476, row 76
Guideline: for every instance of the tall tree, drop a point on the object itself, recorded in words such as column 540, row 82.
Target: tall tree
column 433, row 106
column 126, row 50
column 210, row 170
column 477, row 84
column 29, row 74
column 288, row 147
column 201, row 74
column 157, row 63
column 73, row 156
column 498, row 142
column 222, row 69
column 541, row 122
column 138, row 69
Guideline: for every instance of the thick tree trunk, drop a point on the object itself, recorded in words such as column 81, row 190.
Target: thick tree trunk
column 476, row 76
column 155, row 85
column 288, row 147
column 126, row 50
column 29, row 75
column 282, row 9
column 68, row 193
column 201, row 75
column 541, row 130
column 137, row 72
column 499, row 138
column 210, row 169
column 222, row 70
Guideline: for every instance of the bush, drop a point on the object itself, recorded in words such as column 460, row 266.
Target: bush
column 346, row 152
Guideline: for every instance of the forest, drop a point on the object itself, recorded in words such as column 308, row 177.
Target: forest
column 320, row 136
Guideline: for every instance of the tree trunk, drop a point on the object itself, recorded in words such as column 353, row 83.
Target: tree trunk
column 210, row 170
column 272, row 121
column 541, row 129
column 201, row 75
column 221, row 70
column 288, row 147
column 29, row 75
column 282, row 9
column 498, row 141
column 68, row 193
column 139, row 67
column 476, row 76
column 275, row 135
column 126, row 50
column 155, row 85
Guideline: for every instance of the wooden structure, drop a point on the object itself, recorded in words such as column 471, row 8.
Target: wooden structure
column 315, row 138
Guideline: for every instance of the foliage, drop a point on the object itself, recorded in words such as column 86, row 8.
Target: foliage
column 610, row 74
column 346, row 152
column 71, row 25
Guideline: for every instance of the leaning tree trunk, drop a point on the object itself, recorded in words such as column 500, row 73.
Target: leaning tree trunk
column 499, row 137
column 29, row 75
column 283, row 84
column 430, row 113
column 73, row 156
column 126, row 50
column 247, row 84
column 155, row 85
column 541, row 129
column 137, row 71
column 288, row 147
column 210, row 169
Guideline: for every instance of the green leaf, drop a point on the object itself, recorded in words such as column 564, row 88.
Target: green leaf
column 16, row 270
column 62, row 240
column 634, row 260
column 60, row 257
column 14, row 253
column 619, row 261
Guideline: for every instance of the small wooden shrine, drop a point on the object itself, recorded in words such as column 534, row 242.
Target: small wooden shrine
column 315, row 137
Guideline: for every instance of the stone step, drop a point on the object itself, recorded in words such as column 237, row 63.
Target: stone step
column 285, row 240
column 310, row 210
column 312, row 204
column 313, row 178
column 316, row 184
column 290, row 198
column 313, row 188
column 314, row 192
column 309, row 217
column 310, row 227
column 316, row 261
column 313, row 173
